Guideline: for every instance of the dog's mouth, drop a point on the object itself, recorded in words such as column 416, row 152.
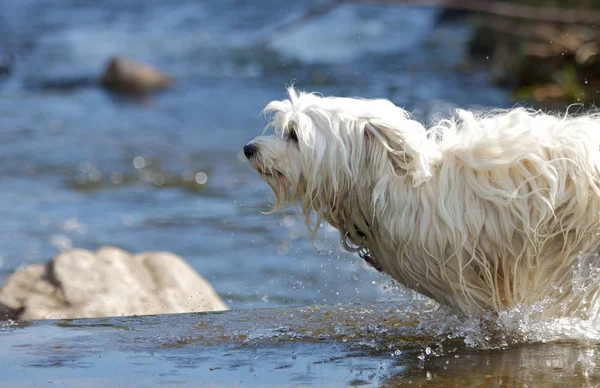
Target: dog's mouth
column 274, row 174
column 264, row 172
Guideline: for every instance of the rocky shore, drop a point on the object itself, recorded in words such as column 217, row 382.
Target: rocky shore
column 546, row 62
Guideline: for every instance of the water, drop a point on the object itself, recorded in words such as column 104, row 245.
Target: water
column 84, row 168
column 375, row 345
column 69, row 154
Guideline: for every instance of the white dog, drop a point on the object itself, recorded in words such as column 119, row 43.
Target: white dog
column 481, row 212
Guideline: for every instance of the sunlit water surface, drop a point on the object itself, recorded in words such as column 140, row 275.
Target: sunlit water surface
column 85, row 168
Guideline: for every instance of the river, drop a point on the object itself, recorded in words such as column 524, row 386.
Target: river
column 82, row 167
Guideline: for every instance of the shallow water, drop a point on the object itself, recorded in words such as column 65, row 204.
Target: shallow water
column 85, row 168
column 378, row 345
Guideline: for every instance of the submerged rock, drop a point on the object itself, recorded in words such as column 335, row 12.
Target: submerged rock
column 110, row 282
column 128, row 76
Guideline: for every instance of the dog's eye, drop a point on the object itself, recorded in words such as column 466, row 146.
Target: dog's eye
column 292, row 135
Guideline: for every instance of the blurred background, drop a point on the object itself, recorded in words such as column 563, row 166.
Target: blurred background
column 83, row 165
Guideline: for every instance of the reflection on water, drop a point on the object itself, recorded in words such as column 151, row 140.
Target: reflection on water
column 542, row 365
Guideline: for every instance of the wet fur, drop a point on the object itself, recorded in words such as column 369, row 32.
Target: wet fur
column 481, row 212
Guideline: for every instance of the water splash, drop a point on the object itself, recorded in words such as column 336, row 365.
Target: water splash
column 518, row 325
column 572, row 316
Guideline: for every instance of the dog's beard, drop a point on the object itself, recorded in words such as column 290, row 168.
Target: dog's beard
column 281, row 188
column 277, row 181
column 289, row 190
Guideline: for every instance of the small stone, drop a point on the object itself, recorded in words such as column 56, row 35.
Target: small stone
column 128, row 76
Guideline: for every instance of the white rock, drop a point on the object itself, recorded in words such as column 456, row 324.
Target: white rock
column 111, row 282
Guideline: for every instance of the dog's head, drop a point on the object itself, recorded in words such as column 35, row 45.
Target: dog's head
column 325, row 150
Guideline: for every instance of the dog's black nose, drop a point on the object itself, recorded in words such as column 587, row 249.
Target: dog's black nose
column 249, row 150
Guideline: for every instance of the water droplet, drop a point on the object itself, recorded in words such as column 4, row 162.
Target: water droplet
column 158, row 179
column 95, row 175
column 288, row 221
column 61, row 242
column 282, row 249
column 85, row 166
column 201, row 178
column 71, row 223
column 139, row 162
column 116, row 178
column 81, row 229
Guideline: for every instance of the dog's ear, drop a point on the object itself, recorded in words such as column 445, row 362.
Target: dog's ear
column 403, row 148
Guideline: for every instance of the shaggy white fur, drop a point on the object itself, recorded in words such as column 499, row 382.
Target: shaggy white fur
column 480, row 212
